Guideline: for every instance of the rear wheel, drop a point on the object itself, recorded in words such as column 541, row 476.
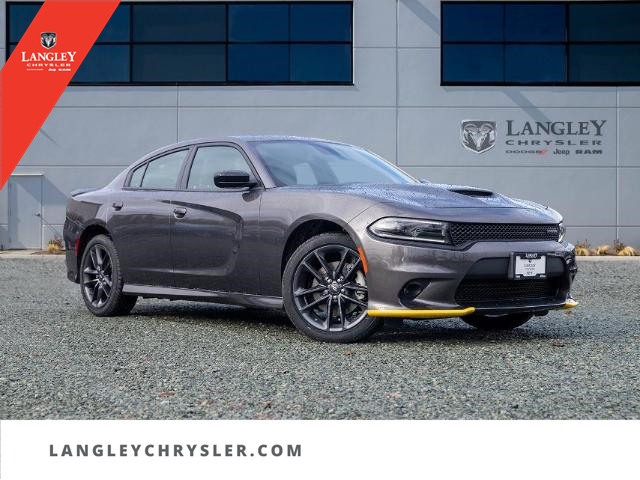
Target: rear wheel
column 498, row 322
column 325, row 290
column 101, row 279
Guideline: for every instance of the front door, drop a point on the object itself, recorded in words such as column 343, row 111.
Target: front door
column 25, row 210
column 214, row 230
column 140, row 220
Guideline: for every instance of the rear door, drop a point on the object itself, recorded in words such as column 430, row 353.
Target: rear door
column 215, row 231
column 141, row 220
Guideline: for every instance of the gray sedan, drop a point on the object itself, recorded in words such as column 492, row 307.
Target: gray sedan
column 333, row 233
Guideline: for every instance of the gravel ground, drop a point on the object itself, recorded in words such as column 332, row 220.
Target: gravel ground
column 185, row 360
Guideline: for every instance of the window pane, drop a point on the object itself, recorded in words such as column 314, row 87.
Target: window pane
column 104, row 63
column 605, row 63
column 321, row 63
column 211, row 160
column 472, row 22
column 136, row 178
column 117, row 28
column 541, row 22
column 259, row 23
column 20, row 17
column 535, row 63
column 258, row 63
column 473, row 63
column 179, row 63
column 327, row 22
column 594, row 22
column 187, row 23
column 163, row 172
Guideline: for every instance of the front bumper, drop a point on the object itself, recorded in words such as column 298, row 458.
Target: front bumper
column 438, row 272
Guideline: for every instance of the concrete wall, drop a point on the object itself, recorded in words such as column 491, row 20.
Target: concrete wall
column 396, row 108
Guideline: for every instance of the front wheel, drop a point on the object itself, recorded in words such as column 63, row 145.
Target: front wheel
column 325, row 290
column 497, row 322
column 101, row 279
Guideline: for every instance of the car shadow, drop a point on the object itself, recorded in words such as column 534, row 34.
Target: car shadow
column 394, row 331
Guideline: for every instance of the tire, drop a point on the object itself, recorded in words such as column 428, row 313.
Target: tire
column 498, row 322
column 327, row 301
column 100, row 267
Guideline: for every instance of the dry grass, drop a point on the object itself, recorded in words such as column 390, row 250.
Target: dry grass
column 583, row 249
column 54, row 246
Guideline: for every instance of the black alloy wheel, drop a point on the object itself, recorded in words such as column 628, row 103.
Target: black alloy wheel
column 101, row 279
column 325, row 290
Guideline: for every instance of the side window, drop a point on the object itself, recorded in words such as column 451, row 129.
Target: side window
column 136, row 178
column 211, row 160
column 162, row 173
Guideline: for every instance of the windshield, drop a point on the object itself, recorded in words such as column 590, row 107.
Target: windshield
column 292, row 162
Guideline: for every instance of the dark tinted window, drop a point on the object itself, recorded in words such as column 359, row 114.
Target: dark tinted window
column 605, row 63
column 105, row 63
column 535, row 23
column 211, row 160
column 179, row 63
column 118, row 28
column 215, row 43
column 473, row 22
column 605, row 22
column 473, row 63
column 320, row 22
column 314, row 63
column 541, row 43
column 259, row 23
column 162, row 173
column 179, row 23
column 258, row 63
column 535, row 63
column 20, row 17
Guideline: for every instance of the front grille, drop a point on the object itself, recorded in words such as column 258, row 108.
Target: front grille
column 462, row 233
column 478, row 292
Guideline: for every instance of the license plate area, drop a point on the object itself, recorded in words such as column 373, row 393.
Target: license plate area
column 528, row 265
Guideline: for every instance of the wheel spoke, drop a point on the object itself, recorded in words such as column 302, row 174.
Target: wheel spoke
column 354, row 301
column 313, row 271
column 106, row 263
column 89, row 282
column 353, row 269
column 307, row 291
column 94, row 258
column 343, row 258
column 355, row 287
column 99, row 256
column 314, row 303
column 323, row 263
column 329, row 308
column 341, row 312
column 90, row 271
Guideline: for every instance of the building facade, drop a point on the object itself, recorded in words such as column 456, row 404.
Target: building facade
column 537, row 103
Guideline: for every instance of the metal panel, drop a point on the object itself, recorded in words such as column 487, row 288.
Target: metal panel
column 25, row 210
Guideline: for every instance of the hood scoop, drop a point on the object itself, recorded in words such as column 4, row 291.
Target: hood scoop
column 468, row 191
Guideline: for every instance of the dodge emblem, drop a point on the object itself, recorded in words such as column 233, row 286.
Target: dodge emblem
column 48, row 39
column 478, row 135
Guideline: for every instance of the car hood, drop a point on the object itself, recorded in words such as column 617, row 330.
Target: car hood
column 428, row 195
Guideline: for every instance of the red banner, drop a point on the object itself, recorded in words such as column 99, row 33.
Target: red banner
column 41, row 67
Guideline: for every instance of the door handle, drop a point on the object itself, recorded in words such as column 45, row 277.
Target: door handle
column 180, row 212
column 117, row 206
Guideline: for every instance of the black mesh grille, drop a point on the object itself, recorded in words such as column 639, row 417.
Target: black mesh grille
column 478, row 292
column 462, row 233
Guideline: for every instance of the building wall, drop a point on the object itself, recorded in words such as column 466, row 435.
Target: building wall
column 396, row 108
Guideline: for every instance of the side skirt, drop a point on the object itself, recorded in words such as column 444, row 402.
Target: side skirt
column 231, row 298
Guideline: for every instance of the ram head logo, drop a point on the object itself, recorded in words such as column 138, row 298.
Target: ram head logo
column 478, row 135
column 48, row 39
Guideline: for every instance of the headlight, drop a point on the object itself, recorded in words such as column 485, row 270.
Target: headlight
column 561, row 231
column 411, row 229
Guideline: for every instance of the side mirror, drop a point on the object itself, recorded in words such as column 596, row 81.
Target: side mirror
column 233, row 179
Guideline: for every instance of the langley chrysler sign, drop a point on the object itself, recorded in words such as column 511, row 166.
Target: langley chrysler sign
column 535, row 137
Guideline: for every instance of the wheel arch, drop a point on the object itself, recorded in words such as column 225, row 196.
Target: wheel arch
column 308, row 227
column 90, row 231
